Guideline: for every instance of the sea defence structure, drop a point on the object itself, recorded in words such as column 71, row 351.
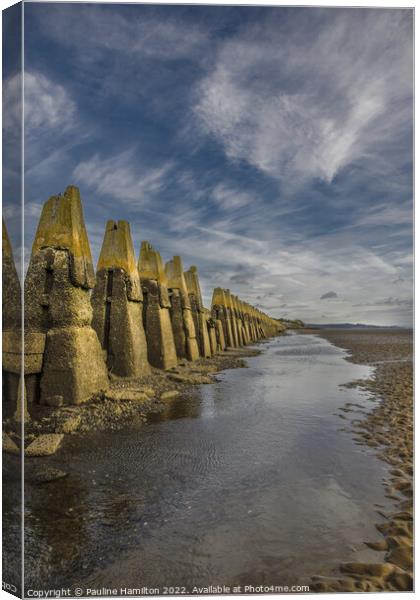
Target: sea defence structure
column 220, row 336
column 211, row 328
column 223, row 308
column 241, row 322
column 198, row 311
column 117, row 302
column 11, row 327
column 63, row 357
column 221, row 312
column 137, row 316
column 161, row 350
column 181, row 314
column 236, row 339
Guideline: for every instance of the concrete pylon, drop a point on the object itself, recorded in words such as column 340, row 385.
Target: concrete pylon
column 198, row 311
column 221, row 312
column 161, row 349
column 245, row 324
column 21, row 414
column 253, row 333
column 11, row 328
column 235, row 305
column 254, row 323
column 183, row 326
column 220, row 336
column 211, row 328
column 58, row 312
column 231, row 309
column 241, row 323
column 260, row 325
column 117, row 302
column 253, row 314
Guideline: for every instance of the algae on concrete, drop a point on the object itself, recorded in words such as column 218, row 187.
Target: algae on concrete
column 117, row 302
column 183, row 325
column 161, row 349
column 64, row 355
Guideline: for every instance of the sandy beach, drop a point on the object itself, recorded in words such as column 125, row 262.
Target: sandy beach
column 132, row 459
column 389, row 429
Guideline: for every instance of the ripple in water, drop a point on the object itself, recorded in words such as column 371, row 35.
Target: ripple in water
column 248, row 481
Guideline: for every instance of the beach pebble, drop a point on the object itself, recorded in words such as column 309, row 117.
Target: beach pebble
column 9, row 445
column 44, row 445
column 127, row 395
column 170, row 395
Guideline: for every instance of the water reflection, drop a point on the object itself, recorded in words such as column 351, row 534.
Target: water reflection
column 247, row 481
column 180, row 408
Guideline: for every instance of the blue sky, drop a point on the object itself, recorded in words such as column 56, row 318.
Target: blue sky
column 271, row 147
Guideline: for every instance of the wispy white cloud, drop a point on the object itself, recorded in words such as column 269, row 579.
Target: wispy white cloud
column 52, row 124
column 386, row 214
column 229, row 198
column 12, row 104
column 308, row 105
column 312, row 112
column 141, row 35
column 390, row 301
column 122, row 177
column 48, row 106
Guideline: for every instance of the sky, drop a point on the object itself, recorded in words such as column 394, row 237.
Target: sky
column 270, row 147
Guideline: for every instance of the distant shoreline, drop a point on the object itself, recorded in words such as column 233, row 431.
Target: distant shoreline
column 355, row 326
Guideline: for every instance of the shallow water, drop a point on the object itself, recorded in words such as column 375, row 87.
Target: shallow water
column 249, row 481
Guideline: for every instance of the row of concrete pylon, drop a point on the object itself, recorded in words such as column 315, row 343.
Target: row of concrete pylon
column 79, row 327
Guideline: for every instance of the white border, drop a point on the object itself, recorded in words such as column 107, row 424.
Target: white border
column 337, row 4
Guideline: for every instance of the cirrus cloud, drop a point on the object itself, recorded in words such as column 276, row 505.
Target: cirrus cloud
column 330, row 95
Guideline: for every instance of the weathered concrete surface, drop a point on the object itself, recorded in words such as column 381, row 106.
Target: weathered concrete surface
column 58, row 312
column 234, row 320
column 143, row 313
column 181, row 315
column 220, row 311
column 211, row 328
column 239, row 320
column 161, row 349
column 21, row 414
column 242, row 323
column 242, row 313
column 62, row 226
column 212, row 336
column 117, row 302
column 128, row 395
column 197, row 307
column 170, row 395
column 44, row 445
column 9, row 445
column 11, row 299
column 220, row 336
column 11, row 327
column 194, row 379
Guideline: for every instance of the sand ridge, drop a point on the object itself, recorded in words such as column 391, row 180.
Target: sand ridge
column 388, row 428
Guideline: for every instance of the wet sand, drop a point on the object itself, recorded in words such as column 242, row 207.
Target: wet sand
column 233, row 483
column 388, row 428
column 391, row 385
